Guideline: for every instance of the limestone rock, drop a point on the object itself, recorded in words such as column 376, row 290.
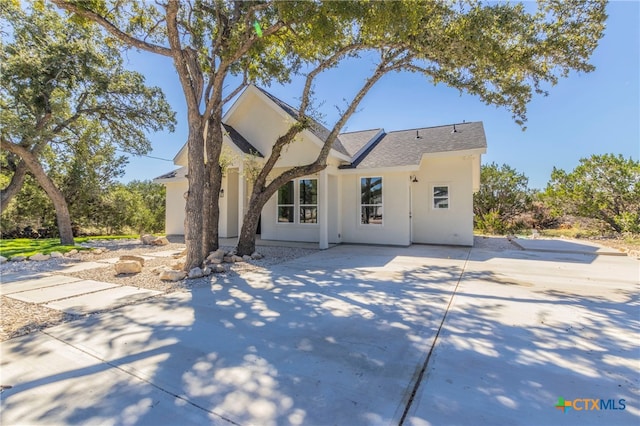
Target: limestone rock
column 160, row 241
column 246, row 258
column 206, row 271
column 17, row 259
column 138, row 259
column 195, row 273
column 228, row 259
column 236, row 258
column 219, row 268
column 128, row 267
column 256, row 256
column 171, row 275
column 179, row 265
column 3, row 260
column 218, row 254
column 147, row 239
column 71, row 252
column 158, row 269
column 39, row 257
column 55, row 255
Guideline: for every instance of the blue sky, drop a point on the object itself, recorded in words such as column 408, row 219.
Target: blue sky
column 584, row 114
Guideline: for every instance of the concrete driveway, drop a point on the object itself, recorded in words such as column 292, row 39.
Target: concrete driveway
column 352, row 335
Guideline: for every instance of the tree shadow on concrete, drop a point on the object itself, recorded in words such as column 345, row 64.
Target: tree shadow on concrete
column 333, row 338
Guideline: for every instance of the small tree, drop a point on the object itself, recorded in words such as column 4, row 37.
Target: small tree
column 604, row 187
column 153, row 197
column 502, row 197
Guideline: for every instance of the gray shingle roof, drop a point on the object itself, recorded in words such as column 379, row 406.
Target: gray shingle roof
column 169, row 175
column 354, row 141
column 316, row 128
column 240, row 141
column 402, row 148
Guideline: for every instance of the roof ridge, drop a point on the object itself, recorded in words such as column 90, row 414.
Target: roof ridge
column 434, row 127
column 362, row 131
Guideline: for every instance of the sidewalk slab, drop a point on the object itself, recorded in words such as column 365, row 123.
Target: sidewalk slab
column 565, row 246
column 61, row 291
column 36, row 283
column 20, row 276
column 54, row 383
column 103, row 300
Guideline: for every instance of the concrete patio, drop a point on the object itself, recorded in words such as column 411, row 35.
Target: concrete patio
column 352, row 335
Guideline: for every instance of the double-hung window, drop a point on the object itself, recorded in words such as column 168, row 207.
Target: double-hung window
column 298, row 195
column 286, row 206
column 308, row 191
column 371, row 201
column 441, row 197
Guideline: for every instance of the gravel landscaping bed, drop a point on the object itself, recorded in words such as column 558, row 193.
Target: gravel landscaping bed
column 19, row 318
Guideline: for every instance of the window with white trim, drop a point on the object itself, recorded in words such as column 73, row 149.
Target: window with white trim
column 371, row 200
column 308, row 196
column 286, row 205
column 441, row 197
column 298, row 195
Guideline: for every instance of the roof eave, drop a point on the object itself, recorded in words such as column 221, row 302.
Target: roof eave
column 364, row 170
column 455, row 153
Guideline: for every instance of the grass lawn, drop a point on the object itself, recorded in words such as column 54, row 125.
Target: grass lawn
column 29, row 247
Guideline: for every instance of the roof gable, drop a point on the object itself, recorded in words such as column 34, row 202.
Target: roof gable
column 229, row 135
column 354, row 142
column 317, row 129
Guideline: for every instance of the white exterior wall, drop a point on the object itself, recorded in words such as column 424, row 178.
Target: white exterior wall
column 335, row 206
column 175, row 204
column 395, row 217
column 229, row 205
column 443, row 226
column 264, row 128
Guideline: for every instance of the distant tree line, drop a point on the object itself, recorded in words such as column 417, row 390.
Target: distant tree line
column 602, row 189
column 98, row 204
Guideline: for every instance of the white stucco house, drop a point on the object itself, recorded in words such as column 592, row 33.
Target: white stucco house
column 395, row 188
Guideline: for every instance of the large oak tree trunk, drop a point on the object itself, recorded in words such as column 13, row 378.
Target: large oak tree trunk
column 213, row 173
column 17, row 180
column 247, row 237
column 55, row 195
column 194, row 214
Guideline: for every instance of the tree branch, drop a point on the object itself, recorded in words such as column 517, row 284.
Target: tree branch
column 328, row 63
column 236, row 90
column 111, row 28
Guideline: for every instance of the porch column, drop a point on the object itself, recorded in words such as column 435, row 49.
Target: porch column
column 323, row 209
column 241, row 197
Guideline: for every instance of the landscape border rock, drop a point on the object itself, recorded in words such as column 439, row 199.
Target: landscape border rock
column 138, row 259
column 171, row 275
column 127, row 267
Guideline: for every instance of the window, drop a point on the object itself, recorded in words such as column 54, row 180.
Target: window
column 286, row 203
column 308, row 200
column 371, row 201
column 303, row 196
column 440, row 197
